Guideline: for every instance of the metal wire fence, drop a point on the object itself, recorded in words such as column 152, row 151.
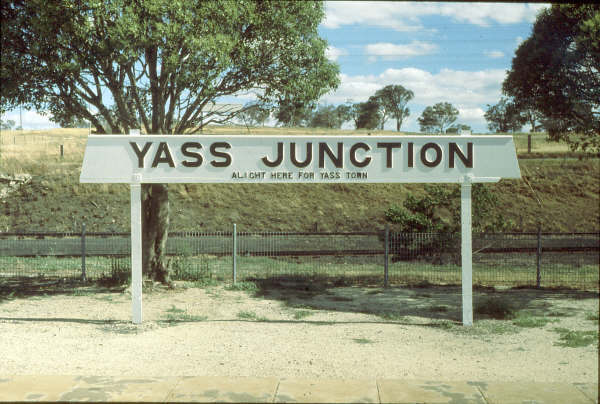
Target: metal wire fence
column 511, row 259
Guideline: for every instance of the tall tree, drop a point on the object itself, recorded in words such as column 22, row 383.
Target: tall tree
column 158, row 63
column 556, row 71
column 368, row 115
column 438, row 117
column 394, row 99
column 504, row 116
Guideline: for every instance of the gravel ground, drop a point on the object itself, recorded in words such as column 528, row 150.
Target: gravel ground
column 289, row 331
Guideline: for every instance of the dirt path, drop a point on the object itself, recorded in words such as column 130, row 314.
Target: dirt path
column 314, row 331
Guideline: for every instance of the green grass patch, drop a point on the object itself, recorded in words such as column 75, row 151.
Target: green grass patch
column 575, row 339
column 363, row 341
column 175, row 310
column 528, row 321
column 300, row 314
column 391, row 316
column 592, row 316
column 250, row 315
column 243, row 286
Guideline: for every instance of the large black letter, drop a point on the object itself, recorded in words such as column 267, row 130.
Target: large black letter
column 163, row 148
column 338, row 160
column 438, row 154
column 226, row 156
column 279, row 157
column 467, row 161
column 187, row 153
column 388, row 151
column 140, row 153
column 367, row 159
column 308, row 155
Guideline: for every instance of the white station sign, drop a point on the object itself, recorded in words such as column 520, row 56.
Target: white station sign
column 300, row 159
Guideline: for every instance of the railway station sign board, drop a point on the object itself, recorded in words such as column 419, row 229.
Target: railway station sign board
column 139, row 159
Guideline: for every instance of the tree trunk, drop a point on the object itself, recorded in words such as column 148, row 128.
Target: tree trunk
column 398, row 123
column 155, row 228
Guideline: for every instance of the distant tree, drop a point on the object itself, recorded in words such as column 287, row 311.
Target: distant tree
column 504, row 116
column 344, row 113
column 556, row 71
column 8, row 124
column 355, row 110
column 438, row 117
column 329, row 116
column 368, row 115
column 456, row 128
column 294, row 111
column 392, row 100
column 255, row 114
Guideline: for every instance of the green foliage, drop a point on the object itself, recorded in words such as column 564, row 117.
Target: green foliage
column 161, row 61
column 392, row 100
column 255, row 114
column 250, row 315
column 300, row 314
column 438, row 117
column 556, row 72
column 328, row 116
column 369, row 115
column 363, row 341
column 243, row 286
column 7, row 124
column 438, row 211
column 576, row 339
column 528, row 321
column 456, row 128
column 504, row 116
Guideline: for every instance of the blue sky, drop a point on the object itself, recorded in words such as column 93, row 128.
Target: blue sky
column 443, row 52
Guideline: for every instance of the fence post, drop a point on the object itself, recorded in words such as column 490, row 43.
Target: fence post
column 386, row 256
column 538, row 278
column 83, row 276
column 62, row 151
column 529, row 143
column 234, row 253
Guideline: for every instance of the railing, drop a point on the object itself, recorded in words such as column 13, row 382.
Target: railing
column 514, row 259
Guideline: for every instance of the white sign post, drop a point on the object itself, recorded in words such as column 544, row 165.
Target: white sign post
column 236, row 159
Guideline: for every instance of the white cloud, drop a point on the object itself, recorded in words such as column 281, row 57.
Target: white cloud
column 333, row 53
column 405, row 16
column 390, row 51
column 495, row 54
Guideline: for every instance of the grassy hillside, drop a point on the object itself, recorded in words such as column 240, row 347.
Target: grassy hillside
column 561, row 193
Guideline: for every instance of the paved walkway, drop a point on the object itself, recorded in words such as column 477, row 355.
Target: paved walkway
column 250, row 389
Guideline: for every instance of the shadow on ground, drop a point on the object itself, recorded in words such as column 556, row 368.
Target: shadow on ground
column 11, row 288
column 426, row 301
